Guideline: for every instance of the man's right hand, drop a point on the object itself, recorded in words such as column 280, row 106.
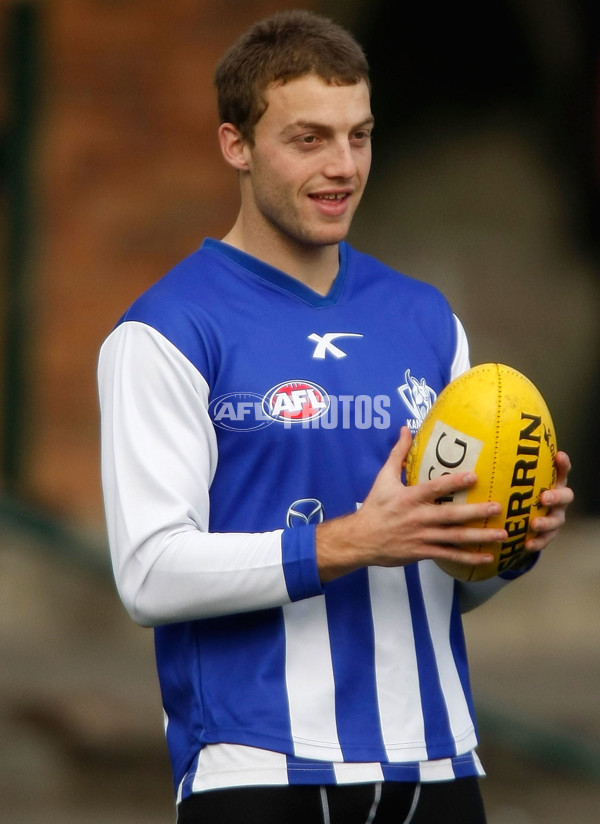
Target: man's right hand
column 399, row 524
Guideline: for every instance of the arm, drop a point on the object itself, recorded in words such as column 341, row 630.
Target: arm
column 159, row 455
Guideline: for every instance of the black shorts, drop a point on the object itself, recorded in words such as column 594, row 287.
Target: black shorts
column 443, row 802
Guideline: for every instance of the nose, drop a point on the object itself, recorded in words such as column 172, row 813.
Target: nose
column 341, row 162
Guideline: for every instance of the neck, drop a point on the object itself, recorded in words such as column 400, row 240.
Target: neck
column 315, row 266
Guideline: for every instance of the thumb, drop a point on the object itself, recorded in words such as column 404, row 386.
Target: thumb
column 397, row 457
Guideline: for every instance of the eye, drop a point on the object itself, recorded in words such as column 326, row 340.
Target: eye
column 307, row 142
column 362, row 136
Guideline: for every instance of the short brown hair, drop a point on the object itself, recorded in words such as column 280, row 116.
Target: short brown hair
column 288, row 45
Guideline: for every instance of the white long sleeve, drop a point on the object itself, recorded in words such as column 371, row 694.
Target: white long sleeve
column 159, row 455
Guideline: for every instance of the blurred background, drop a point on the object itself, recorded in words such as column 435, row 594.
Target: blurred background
column 486, row 182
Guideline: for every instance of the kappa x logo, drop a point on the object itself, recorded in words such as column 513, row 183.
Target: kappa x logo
column 325, row 344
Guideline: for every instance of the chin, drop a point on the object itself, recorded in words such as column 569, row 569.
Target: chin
column 329, row 237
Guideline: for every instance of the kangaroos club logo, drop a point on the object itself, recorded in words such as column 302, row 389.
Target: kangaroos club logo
column 418, row 399
column 295, row 401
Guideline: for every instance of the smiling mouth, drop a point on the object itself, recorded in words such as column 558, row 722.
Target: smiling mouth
column 331, row 197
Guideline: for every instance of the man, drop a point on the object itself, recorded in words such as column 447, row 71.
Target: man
column 309, row 650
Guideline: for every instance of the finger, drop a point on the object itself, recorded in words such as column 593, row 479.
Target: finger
column 458, row 555
column 540, row 541
column 464, row 537
column 460, row 514
column 404, row 443
column 557, row 498
column 397, row 457
column 550, row 522
column 444, row 487
column 563, row 467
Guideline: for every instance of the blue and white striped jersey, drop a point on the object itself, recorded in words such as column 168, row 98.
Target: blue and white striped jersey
column 240, row 409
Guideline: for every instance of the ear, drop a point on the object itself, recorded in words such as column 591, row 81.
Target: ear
column 234, row 147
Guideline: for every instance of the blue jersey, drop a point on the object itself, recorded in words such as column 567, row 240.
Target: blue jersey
column 240, row 409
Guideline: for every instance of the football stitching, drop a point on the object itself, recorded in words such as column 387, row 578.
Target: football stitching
column 496, row 436
column 495, row 453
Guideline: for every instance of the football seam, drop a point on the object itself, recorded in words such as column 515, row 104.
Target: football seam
column 497, row 436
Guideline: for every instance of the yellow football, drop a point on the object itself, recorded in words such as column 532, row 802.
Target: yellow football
column 494, row 421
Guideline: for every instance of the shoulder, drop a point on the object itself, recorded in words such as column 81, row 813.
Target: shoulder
column 414, row 305
column 186, row 283
column 370, row 272
column 183, row 309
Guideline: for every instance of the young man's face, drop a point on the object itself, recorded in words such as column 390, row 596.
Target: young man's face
column 310, row 161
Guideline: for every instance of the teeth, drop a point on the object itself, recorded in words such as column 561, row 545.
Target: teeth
column 331, row 197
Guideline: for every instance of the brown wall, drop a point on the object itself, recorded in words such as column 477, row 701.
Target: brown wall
column 128, row 180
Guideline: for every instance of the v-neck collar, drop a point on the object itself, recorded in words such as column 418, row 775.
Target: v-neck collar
column 280, row 279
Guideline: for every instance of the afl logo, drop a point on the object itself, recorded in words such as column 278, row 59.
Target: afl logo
column 305, row 511
column 295, row 402
column 239, row 412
